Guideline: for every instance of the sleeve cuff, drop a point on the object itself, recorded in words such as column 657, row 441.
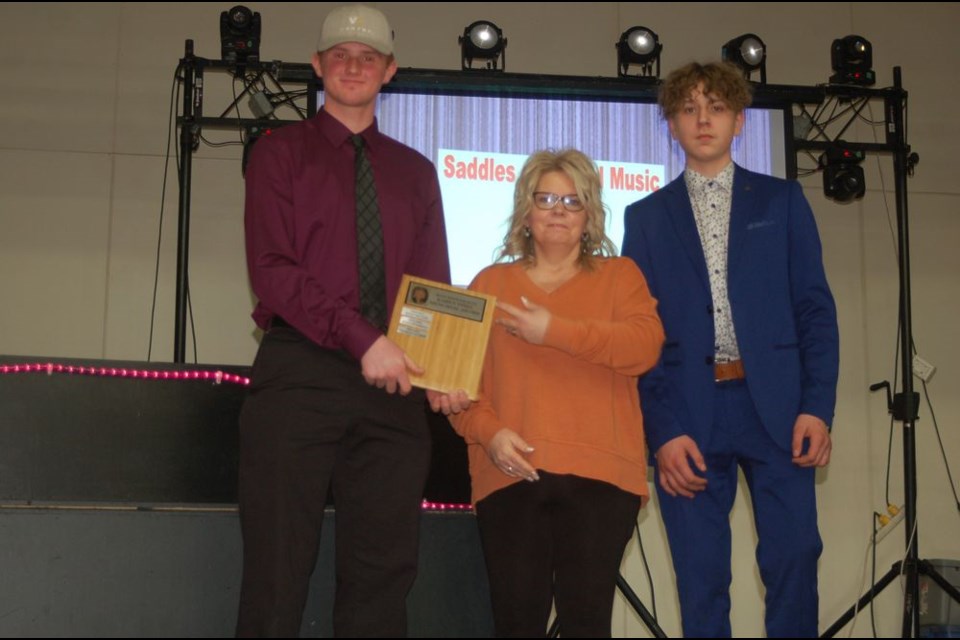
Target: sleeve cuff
column 360, row 338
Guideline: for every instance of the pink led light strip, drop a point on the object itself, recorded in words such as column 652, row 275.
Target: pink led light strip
column 217, row 377
column 445, row 506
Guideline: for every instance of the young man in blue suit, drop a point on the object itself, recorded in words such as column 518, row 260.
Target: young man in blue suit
column 748, row 373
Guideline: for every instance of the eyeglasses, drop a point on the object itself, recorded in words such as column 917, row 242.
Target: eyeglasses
column 547, row 201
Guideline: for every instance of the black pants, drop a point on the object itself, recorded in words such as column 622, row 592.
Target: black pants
column 311, row 423
column 559, row 539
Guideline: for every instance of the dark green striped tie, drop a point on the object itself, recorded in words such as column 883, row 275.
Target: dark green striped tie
column 373, row 289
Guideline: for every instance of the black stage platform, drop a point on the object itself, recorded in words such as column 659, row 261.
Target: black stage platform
column 118, row 515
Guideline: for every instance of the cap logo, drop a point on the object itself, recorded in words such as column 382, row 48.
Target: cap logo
column 356, row 23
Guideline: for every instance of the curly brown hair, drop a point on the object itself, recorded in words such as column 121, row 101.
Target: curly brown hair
column 518, row 245
column 722, row 79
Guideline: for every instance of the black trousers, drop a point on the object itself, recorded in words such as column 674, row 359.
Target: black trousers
column 556, row 541
column 311, row 423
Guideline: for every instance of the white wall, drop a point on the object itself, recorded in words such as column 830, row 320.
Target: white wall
column 82, row 153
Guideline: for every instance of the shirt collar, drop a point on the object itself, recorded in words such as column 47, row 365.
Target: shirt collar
column 698, row 183
column 338, row 134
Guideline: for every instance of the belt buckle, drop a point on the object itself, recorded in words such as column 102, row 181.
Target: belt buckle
column 727, row 371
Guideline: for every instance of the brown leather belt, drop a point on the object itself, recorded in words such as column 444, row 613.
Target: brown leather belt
column 723, row 371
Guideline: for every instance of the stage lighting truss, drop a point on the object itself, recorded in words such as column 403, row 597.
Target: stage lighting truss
column 749, row 53
column 269, row 105
column 817, row 129
column 640, row 47
column 265, row 94
column 483, row 41
column 852, row 60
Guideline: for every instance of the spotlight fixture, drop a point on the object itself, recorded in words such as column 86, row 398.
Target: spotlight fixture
column 842, row 174
column 638, row 46
column 749, row 53
column 240, row 36
column 852, row 61
column 483, row 40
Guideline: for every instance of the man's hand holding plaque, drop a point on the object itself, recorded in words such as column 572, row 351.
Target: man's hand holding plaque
column 445, row 330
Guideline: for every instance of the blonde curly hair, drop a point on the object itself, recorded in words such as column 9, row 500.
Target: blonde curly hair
column 518, row 244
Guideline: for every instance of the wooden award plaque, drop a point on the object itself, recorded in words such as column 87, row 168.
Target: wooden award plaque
column 445, row 330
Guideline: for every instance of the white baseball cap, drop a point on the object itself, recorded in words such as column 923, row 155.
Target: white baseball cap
column 356, row 23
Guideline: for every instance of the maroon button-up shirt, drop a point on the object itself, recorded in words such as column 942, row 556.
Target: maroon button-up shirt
column 301, row 228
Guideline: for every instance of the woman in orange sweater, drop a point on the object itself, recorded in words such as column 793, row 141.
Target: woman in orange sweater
column 556, row 442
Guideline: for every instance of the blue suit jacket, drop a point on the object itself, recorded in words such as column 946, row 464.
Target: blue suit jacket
column 783, row 311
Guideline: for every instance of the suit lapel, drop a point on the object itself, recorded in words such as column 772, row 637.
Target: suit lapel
column 743, row 209
column 681, row 215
